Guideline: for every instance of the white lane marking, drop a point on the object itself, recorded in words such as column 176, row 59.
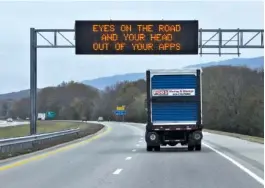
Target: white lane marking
column 140, row 141
column 256, row 177
column 116, row 172
column 141, row 138
column 128, row 158
column 137, row 145
column 134, row 150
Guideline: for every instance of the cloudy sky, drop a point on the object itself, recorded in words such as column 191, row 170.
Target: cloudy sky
column 57, row 65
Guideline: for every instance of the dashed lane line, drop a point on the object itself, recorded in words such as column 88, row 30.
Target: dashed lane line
column 128, row 158
column 118, row 171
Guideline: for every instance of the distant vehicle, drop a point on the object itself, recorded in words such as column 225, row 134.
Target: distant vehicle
column 84, row 118
column 46, row 116
column 27, row 118
column 9, row 120
column 41, row 116
column 174, row 109
column 100, row 118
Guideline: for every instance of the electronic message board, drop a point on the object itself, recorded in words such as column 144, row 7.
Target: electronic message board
column 136, row 37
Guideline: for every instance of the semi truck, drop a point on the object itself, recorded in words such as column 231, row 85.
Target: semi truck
column 41, row 116
column 174, row 108
column 46, row 116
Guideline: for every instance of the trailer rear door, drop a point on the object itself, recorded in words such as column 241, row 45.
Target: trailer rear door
column 175, row 98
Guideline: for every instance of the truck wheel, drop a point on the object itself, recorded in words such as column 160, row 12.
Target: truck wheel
column 157, row 148
column 149, row 148
column 190, row 148
column 198, row 147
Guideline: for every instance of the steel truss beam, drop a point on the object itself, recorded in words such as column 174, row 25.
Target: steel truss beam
column 209, row 39
column 217, row 39
column 234, row 39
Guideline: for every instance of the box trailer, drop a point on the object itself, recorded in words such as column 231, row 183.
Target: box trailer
column 174, row 108
column 41, row 116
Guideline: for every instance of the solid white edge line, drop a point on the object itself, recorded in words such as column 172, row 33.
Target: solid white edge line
column 116, row 172
column 253, row 175
column 128, row 158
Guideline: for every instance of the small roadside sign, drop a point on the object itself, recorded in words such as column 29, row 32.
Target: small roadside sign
column 120, row 108
column 120, row 112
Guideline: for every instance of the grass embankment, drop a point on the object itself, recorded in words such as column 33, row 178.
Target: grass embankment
column 43, row 127
column 243, row 137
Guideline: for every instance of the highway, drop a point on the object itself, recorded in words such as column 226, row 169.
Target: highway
column 14, row 123
column 117, row 158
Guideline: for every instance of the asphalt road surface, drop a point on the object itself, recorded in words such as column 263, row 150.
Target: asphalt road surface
column 117, row 158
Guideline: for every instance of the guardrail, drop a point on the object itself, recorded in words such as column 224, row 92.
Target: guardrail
column 18, row 145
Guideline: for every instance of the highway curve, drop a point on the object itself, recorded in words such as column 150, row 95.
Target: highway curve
column 118, row 159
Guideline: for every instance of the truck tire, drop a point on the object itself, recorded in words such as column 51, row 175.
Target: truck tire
column 157, row 148
column 190, row 148
column 149, row 148
column 198, row 147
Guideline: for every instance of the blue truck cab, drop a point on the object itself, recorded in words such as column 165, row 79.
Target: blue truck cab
column 174, row 108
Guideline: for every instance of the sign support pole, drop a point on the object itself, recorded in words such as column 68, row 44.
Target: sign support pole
column 33, row 81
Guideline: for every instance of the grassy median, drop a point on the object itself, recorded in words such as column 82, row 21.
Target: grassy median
column 42, row 127
column 244, row 137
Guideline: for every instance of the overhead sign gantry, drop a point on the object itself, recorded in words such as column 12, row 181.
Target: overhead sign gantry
column 137, row 37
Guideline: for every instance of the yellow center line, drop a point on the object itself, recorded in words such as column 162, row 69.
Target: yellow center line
column 55, row 151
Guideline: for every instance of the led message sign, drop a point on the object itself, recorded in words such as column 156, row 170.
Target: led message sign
column 136, row 37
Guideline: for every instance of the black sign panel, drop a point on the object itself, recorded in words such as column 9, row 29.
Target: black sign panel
column 136, row 37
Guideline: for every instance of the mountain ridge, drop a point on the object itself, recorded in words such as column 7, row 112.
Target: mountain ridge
column 102, row 82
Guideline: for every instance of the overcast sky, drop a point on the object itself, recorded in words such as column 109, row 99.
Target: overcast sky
column 57, row 65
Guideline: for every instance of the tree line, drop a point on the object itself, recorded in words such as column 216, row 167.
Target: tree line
column 232, row 101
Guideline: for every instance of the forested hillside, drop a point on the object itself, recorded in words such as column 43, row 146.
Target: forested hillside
column 232, row 100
